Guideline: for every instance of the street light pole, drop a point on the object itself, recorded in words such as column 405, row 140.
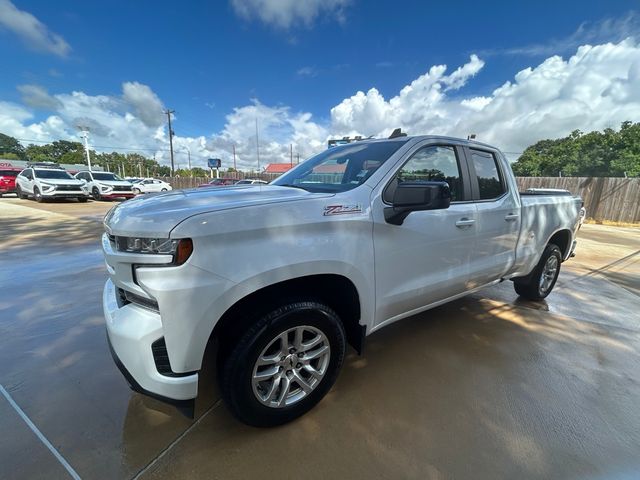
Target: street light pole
column 85, row 136
column 189, row 153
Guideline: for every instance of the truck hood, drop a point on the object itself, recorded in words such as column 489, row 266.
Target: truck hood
column 155, row 215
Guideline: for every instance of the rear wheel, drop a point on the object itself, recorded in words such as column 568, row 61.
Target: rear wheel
column 541, row 281
column 284, row 364
column 20, row 193
column 37, row 195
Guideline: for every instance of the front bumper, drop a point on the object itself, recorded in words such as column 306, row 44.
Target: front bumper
column 118, row 195
column 131, row 330
column 65, row 194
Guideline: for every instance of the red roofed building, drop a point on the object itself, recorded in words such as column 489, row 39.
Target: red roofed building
column 278, row 168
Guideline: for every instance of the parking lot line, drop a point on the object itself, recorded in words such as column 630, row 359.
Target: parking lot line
column 176, row 441
column 39, row 434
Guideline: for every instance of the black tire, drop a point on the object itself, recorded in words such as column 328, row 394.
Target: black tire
column 163, row 190
column 19, row 193
column 136, row 191
column 530, row 287
column 95, row 193
column 37, row 195
column 237, row 367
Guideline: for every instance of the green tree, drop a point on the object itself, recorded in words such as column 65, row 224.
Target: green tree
column 594, row 154
column 10, row 145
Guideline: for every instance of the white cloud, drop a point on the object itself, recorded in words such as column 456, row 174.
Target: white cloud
column 145, row 103
column 307, row 72
column 609, row 29
column 38, row 97
column 286, row 14
column 31, row 30
column 597, row 87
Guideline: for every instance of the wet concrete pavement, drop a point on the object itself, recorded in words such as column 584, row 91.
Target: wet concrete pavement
column 489, row 386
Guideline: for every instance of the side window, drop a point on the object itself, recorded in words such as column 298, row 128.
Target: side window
column 433, row 163
column 490, row 181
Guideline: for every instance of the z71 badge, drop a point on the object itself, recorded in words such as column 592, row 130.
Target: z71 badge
column 342, row 209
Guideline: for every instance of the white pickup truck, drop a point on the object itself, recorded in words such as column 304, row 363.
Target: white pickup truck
column 280, row 278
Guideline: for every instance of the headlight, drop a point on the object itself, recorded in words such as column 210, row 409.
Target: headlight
column 181, row 249
column 47, row 187
column 105, row 188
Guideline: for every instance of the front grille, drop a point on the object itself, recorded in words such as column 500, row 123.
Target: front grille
column 67, row 188
column 121, row 188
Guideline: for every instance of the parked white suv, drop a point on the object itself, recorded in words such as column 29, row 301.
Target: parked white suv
column 105, row 185
column 149, row 185
column 281, row 278
column 49, row 183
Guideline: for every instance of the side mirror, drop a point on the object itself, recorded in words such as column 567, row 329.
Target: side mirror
column 416, row 196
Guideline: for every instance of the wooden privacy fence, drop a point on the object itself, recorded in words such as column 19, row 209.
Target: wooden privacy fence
column 606, row 199
column 609, row 199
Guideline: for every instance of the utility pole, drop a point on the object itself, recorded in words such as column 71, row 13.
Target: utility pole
column 189, row 154
column 168, row 113
column 85, row 135
column 291, row 154
column 234, row 157
column 257, row 145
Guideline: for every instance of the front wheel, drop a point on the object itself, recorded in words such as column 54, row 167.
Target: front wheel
column 37, row 195
column 95, row 193
column 136, row 191
column 284, row 364
column 541, row 281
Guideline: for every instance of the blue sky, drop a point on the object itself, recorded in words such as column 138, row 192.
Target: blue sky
column 205, row 59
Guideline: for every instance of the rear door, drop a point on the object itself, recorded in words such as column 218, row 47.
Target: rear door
column 426, row 259
column 498, row 217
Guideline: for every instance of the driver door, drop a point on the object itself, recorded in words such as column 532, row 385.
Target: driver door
column 426, row 259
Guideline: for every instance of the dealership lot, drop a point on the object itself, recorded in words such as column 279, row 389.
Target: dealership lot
column 485, row 387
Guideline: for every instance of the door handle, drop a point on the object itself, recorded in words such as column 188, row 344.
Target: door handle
column 511, row 217
column 465, row 222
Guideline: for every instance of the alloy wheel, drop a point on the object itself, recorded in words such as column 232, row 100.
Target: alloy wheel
column 549, row 273
column 291, row 366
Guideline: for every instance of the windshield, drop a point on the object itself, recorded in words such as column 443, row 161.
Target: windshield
column 105, row 176
column 342, row 168
column 54, row 174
